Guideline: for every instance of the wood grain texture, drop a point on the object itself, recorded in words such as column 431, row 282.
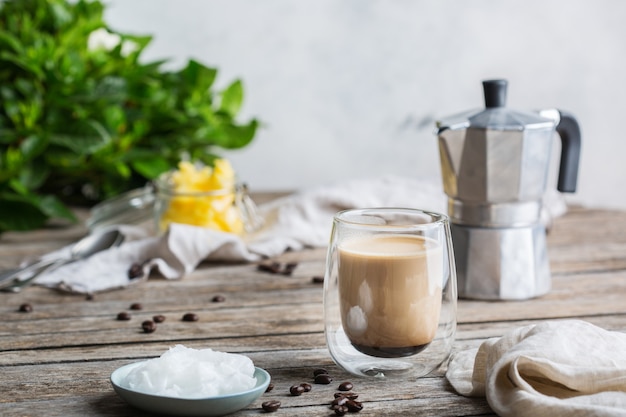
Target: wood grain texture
column 57, row 359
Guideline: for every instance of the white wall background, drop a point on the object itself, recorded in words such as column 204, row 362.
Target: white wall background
column 351, row 88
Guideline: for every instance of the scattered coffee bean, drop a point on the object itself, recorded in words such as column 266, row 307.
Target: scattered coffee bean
column 339, row 401
column 271, row 406
column 277, row 268
column 123, row 316
column 218, row 299
column 341, row 410
column 354, row 406
column 289, row 268
column 323, row 379
column 345, row 386
column 347, row 400
column 190, row 317
column 135, row 271
column 159, row 318
column 317, row 279
column 348, row 395
column 319, row 371
column 136, row 306
column 269, row 387
column 148, row 326
column 25, row 308
column 307, row 387
column 271, row 267
column 296, row 390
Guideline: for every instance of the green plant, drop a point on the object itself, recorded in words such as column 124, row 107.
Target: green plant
column 83, row 118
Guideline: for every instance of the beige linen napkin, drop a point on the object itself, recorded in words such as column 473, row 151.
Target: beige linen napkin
column 556, row 368
column 301, row 220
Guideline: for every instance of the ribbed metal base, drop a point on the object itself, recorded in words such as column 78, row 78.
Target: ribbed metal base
column 501, row 263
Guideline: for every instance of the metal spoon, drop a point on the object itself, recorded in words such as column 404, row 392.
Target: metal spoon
column 16, row 279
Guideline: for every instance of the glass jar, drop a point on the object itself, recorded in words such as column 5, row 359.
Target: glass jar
column 229, row 209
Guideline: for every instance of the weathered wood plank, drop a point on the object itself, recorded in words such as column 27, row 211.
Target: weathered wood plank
column 57, row 359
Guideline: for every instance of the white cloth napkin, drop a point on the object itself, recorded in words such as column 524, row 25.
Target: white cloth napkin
column 294, row 222
column 556, row 368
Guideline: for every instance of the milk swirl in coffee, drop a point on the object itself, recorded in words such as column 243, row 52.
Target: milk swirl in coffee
column 390, row 293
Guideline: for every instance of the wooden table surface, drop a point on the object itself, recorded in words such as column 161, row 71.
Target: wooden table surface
column 57, row 359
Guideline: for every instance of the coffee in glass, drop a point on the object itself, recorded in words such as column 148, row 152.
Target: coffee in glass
column 390, row 291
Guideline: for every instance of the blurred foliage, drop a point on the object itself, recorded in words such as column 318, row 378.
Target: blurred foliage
column 83, row 118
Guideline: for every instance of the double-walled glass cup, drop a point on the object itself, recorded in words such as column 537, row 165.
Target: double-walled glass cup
column 390, row 292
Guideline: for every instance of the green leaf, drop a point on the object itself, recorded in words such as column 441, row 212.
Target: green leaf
column 238, row 136
column 115, row 118
column 12, row 159
column 7, row 93
column 110, row 88
column 20, row 215
column 33, row 146
column 151, row 168
column 54, row 208
column 33, row 175
column 18, row 187
column 60, row 14
column 7, row 136
column 8, row 40
column 21, row 63
column 232, row 98
column 199, row 76
column 89, row 137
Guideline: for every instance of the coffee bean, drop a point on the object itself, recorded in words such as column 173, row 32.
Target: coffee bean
column 277, row 268
column 317, row 280
column 148, row 326
column 25, row 308
column 348, row 395
column 339, row 401
column 341, row 410
column 345, row 386
column 307, row 387
column 296, row 390
column 271, row 267
column 136, row 306
column 269, row 387
column 323, row 379
column 289, row 268
column 159, row 318
column 354, row 406
column 123, row 316
column 135, row 271
column 190, row 317
column 319, row 371
column 218, row 299
column 271, row 406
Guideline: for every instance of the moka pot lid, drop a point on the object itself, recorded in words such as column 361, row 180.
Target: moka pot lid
column 495, row 115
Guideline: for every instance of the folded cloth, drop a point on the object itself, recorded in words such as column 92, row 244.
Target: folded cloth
column 555, row 368
column 298, row 221
column 174, row 255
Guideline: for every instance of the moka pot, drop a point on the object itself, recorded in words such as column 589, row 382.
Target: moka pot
column 495, row 164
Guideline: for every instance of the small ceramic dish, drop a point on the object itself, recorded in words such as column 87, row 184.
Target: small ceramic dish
column 210, row 406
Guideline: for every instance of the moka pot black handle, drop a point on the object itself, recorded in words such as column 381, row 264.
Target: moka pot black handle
column 569, row 131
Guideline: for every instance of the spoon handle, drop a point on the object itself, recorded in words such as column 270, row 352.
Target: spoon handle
column 20, row 276
column 18, row 284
